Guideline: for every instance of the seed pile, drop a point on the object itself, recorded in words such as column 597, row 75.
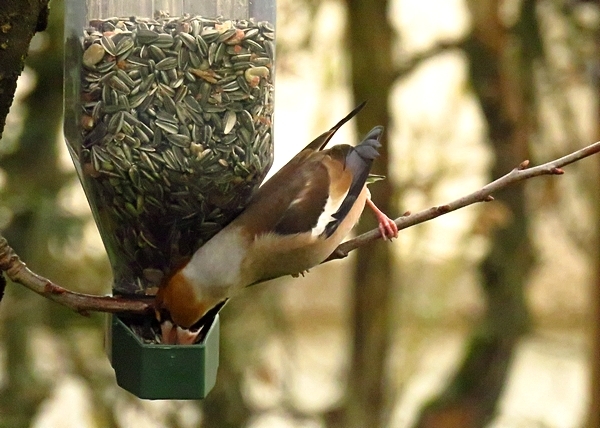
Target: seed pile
column 175, row 134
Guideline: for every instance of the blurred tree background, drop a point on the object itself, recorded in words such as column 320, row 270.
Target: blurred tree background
column 487, row 317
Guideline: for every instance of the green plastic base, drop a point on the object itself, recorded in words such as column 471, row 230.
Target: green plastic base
column 159, row 372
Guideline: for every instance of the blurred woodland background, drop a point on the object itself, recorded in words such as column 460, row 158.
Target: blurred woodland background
column 486, row 317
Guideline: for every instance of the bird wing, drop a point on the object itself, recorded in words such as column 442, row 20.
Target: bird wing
column 314, row 192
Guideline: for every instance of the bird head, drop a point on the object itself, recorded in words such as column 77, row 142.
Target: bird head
column 184, row 302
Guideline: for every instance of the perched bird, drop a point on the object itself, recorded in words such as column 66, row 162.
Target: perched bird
column 294, row 221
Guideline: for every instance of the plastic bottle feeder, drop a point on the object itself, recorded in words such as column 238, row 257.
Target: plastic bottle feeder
column 168, row 120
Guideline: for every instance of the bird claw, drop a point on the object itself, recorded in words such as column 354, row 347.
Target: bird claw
column 387, row 226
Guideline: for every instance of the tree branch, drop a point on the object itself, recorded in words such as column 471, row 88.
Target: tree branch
column 412, row 62
column 18, row 272
column 484, row 194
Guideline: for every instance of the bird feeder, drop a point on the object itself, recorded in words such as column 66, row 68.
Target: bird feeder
column 168, row 120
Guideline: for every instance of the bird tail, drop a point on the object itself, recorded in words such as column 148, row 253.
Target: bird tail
column 360, row 158
column 367, row 149
column 358, row 161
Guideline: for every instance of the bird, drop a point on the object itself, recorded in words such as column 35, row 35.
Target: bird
column 293, row 222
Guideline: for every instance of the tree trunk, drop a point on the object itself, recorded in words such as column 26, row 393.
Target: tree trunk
column 372, row 77
column 500, row 65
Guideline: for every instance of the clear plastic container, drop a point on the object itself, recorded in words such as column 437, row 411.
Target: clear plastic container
column 168, row 119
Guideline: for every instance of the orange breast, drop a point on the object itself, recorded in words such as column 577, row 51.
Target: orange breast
column 180, row 299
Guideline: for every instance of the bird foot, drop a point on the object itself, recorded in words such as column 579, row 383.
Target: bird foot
column 387, row 226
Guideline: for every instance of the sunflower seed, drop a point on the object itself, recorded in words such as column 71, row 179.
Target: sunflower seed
column 116, row 122
column 145, row 36
column 179, row 140
column 109, row 45
column 166, row 64
column 168, row 127
column 230, row 120
column 124, row 45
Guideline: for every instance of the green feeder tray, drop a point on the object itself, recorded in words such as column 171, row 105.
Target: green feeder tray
column 159, row 372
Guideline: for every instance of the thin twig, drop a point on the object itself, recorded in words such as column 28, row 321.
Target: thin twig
column 83, row 303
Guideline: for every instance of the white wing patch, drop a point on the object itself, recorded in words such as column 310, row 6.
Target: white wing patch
column 331, row 207
column 302, row 194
